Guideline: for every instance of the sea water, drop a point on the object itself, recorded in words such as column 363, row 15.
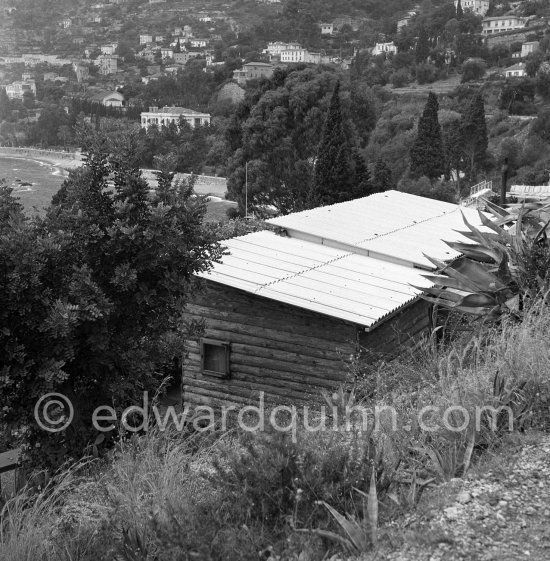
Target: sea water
column 32, row 181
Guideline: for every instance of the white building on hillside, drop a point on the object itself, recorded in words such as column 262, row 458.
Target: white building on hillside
column 166, row 52
column 479, row 7
column 108, row 98
column 327, row 28
column 108, row 64
column 198, row 43
column 109, row 49
column 528, row 48
column 16, row 90
column 294, row 56
column 515, row 71
column 384, row 48
column 275, row 49
column 252, row 71
column 165, row 115
column 499, row 24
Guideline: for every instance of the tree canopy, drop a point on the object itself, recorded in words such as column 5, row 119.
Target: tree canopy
column 277, row 130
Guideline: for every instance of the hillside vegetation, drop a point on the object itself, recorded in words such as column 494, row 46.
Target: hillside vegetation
column 167, row 496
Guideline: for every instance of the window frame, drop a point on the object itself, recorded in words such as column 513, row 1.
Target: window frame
column 226, row 345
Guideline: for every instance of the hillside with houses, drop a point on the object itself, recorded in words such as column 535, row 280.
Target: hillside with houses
column 117, row 60
column 277, row 287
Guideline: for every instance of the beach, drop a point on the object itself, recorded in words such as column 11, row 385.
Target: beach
column 56, row 158
column 36, row 175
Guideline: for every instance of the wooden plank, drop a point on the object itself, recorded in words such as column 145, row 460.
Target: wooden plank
column 273, row 319
column 273, row 386
column 260, row 336
column 230, row 299
column 275, row 377
column 251, row 392
column 9, row 460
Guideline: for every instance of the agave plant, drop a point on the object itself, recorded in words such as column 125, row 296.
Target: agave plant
column 507, row 264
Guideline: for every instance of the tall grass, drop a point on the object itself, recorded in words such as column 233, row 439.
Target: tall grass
column 162, row 497
column 28, row 520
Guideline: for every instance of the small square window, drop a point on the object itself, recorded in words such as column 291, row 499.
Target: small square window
column 215, row 358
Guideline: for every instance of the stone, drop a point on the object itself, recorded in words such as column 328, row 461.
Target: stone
column 452, row 513
column 464, row 497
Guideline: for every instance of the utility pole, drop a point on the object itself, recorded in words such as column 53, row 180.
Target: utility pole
column 246, row 191
column 504, row 182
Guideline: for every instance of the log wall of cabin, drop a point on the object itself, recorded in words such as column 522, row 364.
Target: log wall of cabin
column 282, row 350
column 401, row 331
column 288, row 353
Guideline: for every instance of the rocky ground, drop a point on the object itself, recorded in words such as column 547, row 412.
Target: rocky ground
column 500, row 512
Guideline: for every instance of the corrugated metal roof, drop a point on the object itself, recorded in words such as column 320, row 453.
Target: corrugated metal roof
column 355, row 261
column 394, row 226
column 336, row 283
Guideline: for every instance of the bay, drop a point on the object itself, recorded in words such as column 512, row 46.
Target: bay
column 34, row 182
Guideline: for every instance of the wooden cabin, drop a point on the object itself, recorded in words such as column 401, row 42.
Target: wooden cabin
column 286, row 311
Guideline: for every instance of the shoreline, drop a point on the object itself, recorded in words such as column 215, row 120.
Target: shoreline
column 67, row 161
column 52, row 158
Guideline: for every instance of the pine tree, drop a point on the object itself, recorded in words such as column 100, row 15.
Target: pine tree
column 382, row 178
column 427, row 156
column 333, row 180
column 422, row 46
column 459, row 11
column 4, row 105
column 474, row 136
column 177, row 48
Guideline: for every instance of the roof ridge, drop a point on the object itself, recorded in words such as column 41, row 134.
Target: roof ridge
column 350, row 253
column 315, row 267
column 347, row 254
column 406, row 227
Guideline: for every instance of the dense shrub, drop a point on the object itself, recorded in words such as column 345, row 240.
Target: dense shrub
column 400, row 78
column 541, row 125
column 426, row 73
column 510, row 149
column 473, row 69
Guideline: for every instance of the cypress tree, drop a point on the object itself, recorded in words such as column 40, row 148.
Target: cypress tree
column 333, row 179
column 474, row 136
column 427, row 156
column 4, row 104
column 382, row 178
column 362, row 184
column 459, row 11
column 422, row 46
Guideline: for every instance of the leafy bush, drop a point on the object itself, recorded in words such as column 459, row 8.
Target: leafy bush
column 400, row 78
column 472, row 70
column 511, row 149
column 426, row 73
column 285, row 478
column 541, row 125
column 517, row 96
column 91, row 295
